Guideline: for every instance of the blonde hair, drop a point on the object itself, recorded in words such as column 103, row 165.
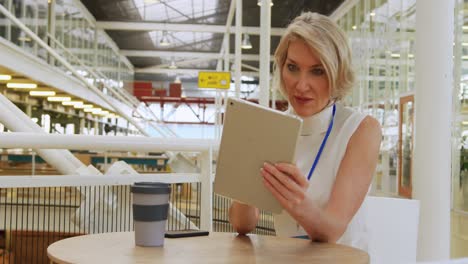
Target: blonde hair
column 327, row 41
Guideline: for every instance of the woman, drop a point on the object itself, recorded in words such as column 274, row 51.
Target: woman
column 322, row 194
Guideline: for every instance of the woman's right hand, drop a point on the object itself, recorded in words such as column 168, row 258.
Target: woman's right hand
column 243, row 217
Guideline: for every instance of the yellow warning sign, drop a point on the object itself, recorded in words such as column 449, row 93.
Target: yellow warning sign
column 220, row 80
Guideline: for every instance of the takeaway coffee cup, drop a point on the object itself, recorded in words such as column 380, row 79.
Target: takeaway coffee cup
column 150, row 208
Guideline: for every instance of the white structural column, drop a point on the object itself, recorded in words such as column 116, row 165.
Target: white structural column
column 265, row 30
column 433, row 103
column 226, row 52
column 206, row 203
column 238, row 51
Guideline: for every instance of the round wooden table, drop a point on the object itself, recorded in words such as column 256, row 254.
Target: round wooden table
column 215, row 248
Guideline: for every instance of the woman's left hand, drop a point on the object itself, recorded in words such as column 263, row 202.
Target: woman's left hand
column 286, row 183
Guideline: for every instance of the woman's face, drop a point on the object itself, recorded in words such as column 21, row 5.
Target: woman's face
column 305, row 80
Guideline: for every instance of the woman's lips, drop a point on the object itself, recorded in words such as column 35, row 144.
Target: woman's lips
column 302, row 100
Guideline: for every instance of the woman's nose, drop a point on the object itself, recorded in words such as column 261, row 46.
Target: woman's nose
column 302, row 83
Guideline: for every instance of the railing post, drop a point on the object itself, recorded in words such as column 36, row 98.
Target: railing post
column 33, row 161
column 51, row 30
column 206, row 217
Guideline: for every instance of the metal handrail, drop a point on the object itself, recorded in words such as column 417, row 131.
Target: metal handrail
column 120, row 94
column 59, row 58
column 141, row 144
column 104, row 143
column 124, row 96
column 97, row 74
column 23, row 181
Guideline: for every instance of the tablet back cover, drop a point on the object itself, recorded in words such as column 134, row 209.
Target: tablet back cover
column 252, row 135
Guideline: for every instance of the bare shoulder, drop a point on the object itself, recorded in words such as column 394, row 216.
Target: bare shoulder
column 367, row 136
column 369, row 128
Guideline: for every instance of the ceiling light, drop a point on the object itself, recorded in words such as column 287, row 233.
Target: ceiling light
column 58, row 98
column 22, row 85
column 72, row 103
column 246, row 42
column 259, row 3
column 354, row 27
column 97, row 111
column 24, row 37
column 41, row 93
column 82, row 73
column 173, row 65
column 88, row 109
column 5, row 77
column 164, row 39
column 84, row 106
column 372, row 14
column 93, row 110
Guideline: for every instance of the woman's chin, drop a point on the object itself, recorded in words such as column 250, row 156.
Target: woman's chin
column 305, row 113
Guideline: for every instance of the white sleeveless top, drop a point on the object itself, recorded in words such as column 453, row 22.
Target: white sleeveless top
column 313, row 131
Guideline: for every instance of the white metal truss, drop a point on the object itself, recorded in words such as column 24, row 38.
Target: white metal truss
column 154, row 26
column 193, row 72
column 186, row 54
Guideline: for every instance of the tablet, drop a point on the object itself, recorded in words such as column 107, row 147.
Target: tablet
column 253, row 134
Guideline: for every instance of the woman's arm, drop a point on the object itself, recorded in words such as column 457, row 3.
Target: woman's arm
column 352, row 182
column 243, row 217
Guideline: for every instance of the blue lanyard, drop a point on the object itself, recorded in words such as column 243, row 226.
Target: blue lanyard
column 322, row 146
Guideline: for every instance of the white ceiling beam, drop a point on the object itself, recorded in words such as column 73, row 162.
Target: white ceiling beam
column 185, row 54
column 169, row 71
column 153, row 26
column 158, row 53
column 178, row 63
column 193, row 72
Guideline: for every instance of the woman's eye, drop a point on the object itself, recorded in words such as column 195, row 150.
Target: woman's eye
column 318, row 71
column 292, row 67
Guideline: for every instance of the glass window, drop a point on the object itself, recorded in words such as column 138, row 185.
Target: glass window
column 381, row 34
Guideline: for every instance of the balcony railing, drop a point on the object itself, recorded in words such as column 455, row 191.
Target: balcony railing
column 35, row 211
